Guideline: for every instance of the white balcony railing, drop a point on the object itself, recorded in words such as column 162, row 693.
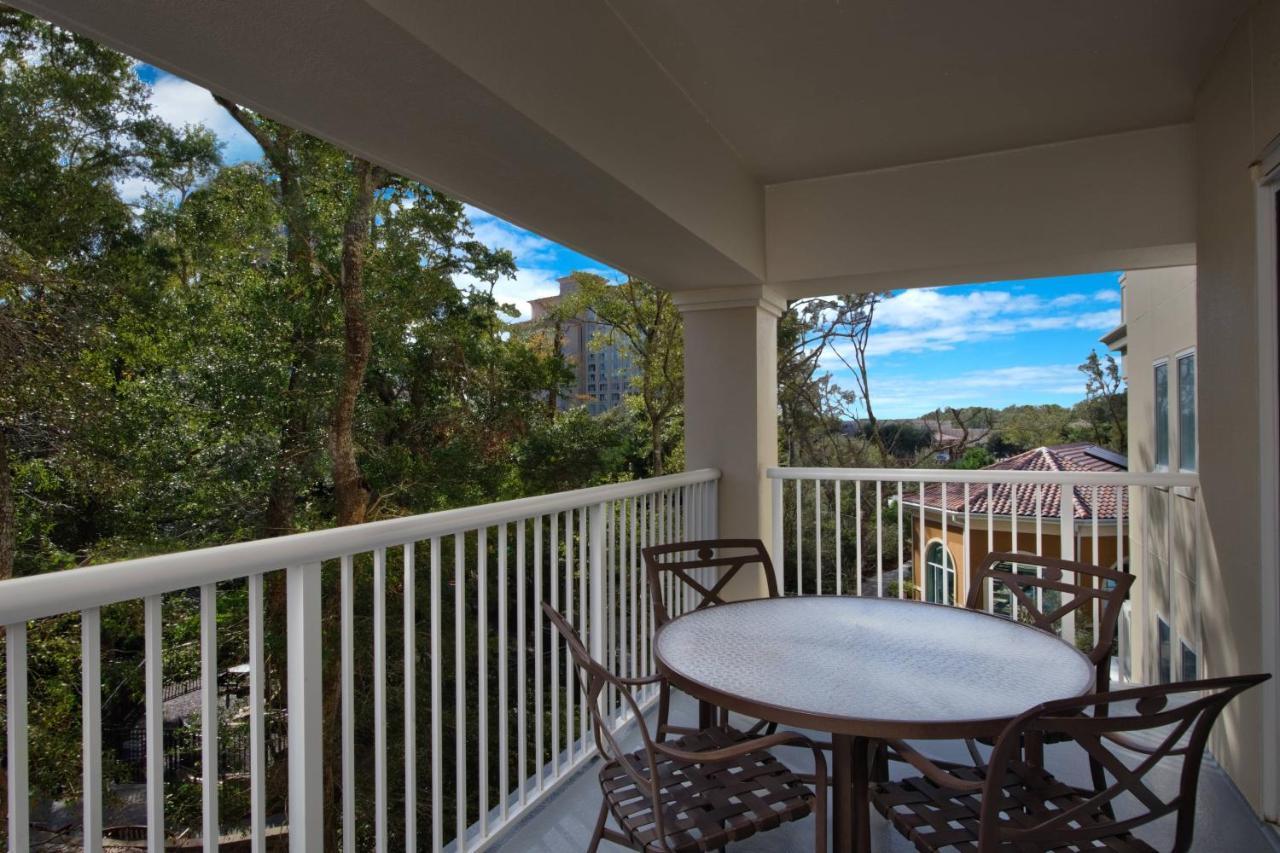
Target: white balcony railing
column 579, row 550
column 862, row 531
column 495, row 711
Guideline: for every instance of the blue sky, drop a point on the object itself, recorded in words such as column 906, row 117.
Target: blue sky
column 989, row 344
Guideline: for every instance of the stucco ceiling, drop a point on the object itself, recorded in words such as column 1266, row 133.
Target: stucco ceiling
column 811, row 88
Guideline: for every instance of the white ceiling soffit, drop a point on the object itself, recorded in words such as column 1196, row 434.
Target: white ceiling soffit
column 872, row 123
column 1123, row 201
column 342, row 70
column 812, row 88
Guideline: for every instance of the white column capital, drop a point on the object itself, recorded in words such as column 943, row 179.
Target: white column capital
column 760, row 296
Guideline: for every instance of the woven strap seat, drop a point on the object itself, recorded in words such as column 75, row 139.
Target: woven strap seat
column 705, row 806
column 937, row 818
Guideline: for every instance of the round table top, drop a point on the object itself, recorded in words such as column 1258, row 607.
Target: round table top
column 876, row 667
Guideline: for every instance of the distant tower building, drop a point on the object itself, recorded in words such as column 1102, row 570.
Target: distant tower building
column 603, row 372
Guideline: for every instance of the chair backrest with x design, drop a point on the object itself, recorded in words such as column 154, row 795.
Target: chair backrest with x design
column 1141, row 728
column 705, row 568
column 1057, row 588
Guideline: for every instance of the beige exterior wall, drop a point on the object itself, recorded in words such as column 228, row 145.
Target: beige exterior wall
column 1170, row 527
column 1237, row 114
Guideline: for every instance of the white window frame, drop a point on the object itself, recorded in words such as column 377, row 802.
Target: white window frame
column 1175, row 411
column 948, row 574
column 1156, row 465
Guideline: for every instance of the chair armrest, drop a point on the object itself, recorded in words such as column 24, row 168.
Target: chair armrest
column 713, row 756
column 932, row 772
column 638, row 682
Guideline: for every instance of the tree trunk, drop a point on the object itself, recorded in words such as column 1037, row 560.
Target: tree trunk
column 8, row 514
column 302, row 284
column 655, row 433
column 557, row 351
column 351, row 497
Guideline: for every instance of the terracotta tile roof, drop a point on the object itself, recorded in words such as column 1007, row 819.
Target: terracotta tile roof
column 1081, row 456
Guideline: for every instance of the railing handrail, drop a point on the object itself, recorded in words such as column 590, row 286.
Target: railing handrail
column 24, row 599
column 1163, row 479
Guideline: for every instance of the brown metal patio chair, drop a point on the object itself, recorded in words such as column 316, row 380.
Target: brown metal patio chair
column 681, row 561
column 1074, row 592
column 1013, row 805
column 699, row 792
column 1088, row 583
column 1077, row 586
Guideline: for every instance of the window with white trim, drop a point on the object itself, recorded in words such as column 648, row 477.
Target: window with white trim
column 1162, row 414
column 1187, row 412
column 940, row 575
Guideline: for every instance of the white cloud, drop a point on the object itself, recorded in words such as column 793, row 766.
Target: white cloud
column 538, row 260
column 1107, row 296
column 179, row 103
column 528, row 283
column 929, row 319
column 911, row 396
column 528, row 248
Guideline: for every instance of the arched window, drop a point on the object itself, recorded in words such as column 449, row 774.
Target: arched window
column 940, row 575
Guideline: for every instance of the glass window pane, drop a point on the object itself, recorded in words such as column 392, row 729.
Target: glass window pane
column 940, row 578
column 1162, row 414
column 1189, row 668
column 1187, row 413
column 1165, row 654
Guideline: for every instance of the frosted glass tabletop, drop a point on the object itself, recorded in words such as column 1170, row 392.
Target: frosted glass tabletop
column 869, row 666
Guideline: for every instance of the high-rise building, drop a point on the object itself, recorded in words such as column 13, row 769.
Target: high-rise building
column 602, row 364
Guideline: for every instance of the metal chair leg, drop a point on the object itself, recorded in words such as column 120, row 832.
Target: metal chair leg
column 600, row 821
column 664, row 711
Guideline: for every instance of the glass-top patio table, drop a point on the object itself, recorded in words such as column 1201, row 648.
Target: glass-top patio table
column 867, row 669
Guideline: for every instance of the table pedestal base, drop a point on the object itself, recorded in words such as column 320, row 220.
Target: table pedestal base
column 851, row 771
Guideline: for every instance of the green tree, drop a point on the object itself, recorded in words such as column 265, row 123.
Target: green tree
column 975, row 458
column 1020, row 428
column 818, row 416
column 1106, row 405
column 646, row 321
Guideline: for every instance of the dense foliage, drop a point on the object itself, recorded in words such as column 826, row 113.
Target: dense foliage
column 238, row 351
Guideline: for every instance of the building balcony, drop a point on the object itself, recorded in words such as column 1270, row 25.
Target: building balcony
column 474, row 710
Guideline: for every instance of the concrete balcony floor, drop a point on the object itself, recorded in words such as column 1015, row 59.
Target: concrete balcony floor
column 1224, row 821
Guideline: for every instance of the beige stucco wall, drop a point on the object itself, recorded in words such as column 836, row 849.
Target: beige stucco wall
column 1237, row 113
column 1171, row 529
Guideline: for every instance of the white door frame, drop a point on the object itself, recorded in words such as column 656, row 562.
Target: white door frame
column 1267, row 176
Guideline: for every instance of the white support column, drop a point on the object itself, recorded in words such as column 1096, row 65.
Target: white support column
column 306, row 752
column 731, row 407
